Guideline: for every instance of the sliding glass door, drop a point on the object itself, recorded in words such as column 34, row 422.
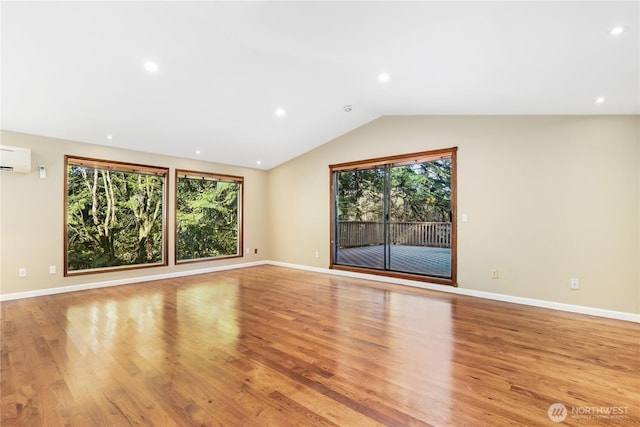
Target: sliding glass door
column 396, row 215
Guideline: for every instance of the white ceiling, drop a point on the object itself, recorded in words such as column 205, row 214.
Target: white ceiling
column 75, row 70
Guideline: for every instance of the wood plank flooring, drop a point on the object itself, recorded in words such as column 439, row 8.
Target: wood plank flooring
column 270, row 346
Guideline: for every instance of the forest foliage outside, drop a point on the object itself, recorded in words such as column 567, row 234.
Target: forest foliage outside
column 115, row 217
column 207, row 217
column 419, row 192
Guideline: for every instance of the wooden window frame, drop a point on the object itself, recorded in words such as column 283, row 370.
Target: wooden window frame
column 398, row 160
column 119, row 166
column 184, row 173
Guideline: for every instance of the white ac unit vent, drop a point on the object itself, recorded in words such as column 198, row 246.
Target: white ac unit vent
column 15, row 159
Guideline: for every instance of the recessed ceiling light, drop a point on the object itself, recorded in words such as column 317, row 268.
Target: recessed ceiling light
column 616, row 31
column 384, row 77
column 151, row 66
column 109, row 136
column 347, row 108
column 280, row 112
column 600, row 100
column 198, row 152
column 258, row 162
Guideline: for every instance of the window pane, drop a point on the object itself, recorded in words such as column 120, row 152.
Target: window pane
column 115, row 218
column 360, row 218
column 420, row 218
column 208, row 216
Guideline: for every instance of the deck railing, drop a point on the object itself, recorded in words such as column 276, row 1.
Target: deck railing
column 369, row 233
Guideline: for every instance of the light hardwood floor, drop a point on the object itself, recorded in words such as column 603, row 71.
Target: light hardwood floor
column 270, row 346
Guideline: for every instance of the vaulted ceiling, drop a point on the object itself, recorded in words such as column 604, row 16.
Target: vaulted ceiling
column 247, row 82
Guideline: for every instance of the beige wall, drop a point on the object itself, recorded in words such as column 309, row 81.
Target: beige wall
column 548, row 198
column 31, row 213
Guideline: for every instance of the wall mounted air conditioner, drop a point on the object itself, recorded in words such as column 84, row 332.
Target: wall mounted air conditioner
column 15, row 159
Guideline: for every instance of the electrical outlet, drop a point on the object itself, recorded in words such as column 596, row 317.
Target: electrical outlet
column 494, row 274
column 575, row 283
column 317, row 254
column 22, row 272
column 255, row 251
column 52, row 269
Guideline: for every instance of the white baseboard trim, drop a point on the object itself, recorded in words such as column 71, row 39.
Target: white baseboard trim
column 629, row 317
column 118, row 282
column 592, row 311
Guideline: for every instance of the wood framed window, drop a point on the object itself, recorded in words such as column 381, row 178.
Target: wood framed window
column 208, row 216
column 396, row 216
column 115, row 216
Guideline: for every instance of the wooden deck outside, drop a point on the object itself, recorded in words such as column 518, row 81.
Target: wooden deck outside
column 434, row 262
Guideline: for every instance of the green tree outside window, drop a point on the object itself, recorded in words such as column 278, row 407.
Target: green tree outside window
column 208, row 216
column 115, row 215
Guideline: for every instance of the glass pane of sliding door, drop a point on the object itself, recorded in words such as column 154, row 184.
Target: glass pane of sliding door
column 396, row 216
column 420, row 215
column 360, row 236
